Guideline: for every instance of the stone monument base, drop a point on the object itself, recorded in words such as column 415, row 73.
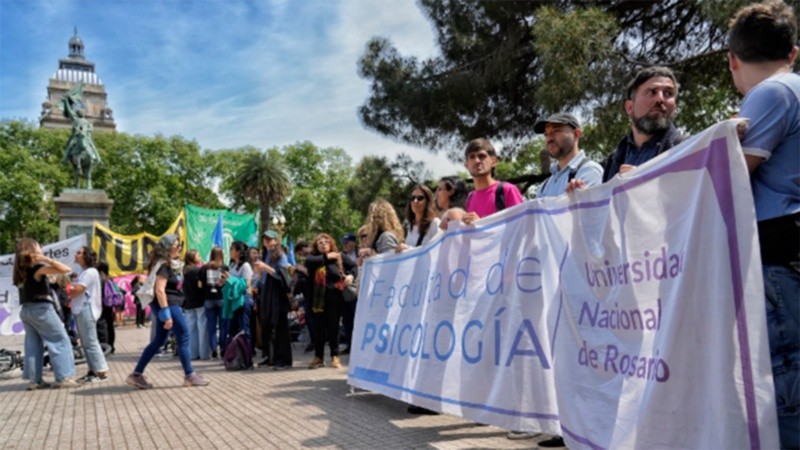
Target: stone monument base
column 79, row 209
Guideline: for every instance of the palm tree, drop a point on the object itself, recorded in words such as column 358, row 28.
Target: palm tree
column 262, row 177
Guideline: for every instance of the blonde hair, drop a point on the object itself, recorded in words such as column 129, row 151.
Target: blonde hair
column 382, row 217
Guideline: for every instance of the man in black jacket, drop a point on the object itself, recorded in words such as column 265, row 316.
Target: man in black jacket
column 651, row 104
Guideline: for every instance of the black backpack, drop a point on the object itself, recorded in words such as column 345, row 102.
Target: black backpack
column 238, row 355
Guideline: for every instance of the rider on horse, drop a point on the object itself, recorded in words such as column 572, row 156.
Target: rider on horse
column 80, row 151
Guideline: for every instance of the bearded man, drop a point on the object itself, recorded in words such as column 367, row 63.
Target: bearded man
column 651, row 104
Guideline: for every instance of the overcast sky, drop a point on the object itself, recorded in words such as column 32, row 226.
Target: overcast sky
column 224, row 73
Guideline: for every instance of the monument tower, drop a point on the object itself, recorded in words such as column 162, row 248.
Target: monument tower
column 76, row 99
column 71, row 71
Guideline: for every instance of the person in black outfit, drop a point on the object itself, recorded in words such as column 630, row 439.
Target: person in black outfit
column 273, row 305
column 105, row 324
column 136, row 284
column 329, row 271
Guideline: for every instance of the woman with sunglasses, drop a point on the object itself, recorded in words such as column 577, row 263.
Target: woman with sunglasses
column 451, row 193
column 423, row 224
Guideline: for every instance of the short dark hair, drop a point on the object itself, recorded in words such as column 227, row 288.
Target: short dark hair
column 479, row 144
column 645, row 74
column 763, row 32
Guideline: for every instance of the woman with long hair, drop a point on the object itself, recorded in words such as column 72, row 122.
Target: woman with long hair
column 193, row 306
column 450, row 193
column 241, row 309
column 40, row 319
column 87, row 307
column 166, row 309
column 423, row 224
column 274, row 305
column 330, row 271
column 385, row 230
column 211, row 282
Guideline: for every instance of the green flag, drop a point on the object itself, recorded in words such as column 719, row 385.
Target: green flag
column 200, row 224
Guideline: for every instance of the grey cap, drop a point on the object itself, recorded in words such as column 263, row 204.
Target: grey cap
column 272, row 234
column 563, row 118
column 167, row 241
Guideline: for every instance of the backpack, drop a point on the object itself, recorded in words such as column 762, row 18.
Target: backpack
column 238, row 355
column 146, row 293
column 112, row 295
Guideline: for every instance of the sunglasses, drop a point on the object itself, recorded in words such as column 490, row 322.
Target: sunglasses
column 364, row 236
column 416, row 198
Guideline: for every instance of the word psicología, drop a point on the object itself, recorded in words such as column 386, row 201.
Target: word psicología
column 442, row 340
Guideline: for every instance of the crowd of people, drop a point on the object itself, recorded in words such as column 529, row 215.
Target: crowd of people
column 206, row 304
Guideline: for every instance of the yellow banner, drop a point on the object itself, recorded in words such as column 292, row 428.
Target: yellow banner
column 126, row 254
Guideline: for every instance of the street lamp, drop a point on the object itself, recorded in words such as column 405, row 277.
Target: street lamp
column 279, row 223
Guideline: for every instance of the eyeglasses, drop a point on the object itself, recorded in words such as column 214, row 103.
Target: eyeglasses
column 364, row 236
column 416, row 198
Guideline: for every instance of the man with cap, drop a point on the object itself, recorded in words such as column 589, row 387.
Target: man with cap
column 562, row 132
column 651, row 104
column 350, row 249
column 571, row 168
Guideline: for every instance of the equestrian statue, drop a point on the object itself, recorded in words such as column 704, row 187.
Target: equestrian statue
column 80, row 152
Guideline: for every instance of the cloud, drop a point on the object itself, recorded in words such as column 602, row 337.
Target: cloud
column 227, row 74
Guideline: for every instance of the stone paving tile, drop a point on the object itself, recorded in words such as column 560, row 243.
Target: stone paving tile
column 255, row 409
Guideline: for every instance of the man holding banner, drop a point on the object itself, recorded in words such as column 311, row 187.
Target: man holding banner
column 651, row 104
column 762, row 42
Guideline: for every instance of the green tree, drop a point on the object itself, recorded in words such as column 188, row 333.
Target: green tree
column 149, row 179
column 503, row 65
column 318, row 202
column 30, row 179
column 372, row 179
column 262, row 178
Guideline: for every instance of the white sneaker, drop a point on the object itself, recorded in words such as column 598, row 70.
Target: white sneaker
column 519, row 435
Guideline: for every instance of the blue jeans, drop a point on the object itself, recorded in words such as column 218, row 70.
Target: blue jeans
column 87, row 329
column 245, row 319
column 44, row 327
column 181, row 331
column 213, row 309
column 782, row 290
column 198, row 333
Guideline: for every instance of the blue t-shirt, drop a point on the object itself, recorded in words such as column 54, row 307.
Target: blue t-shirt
column 590, row 172
column 773, row 107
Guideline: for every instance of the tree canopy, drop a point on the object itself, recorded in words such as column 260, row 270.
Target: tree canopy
column 505, row 64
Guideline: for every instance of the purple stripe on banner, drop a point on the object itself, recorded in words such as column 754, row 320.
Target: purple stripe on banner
column 560, row 305
column 714, row 158
column 382, row 378
column 581, row 439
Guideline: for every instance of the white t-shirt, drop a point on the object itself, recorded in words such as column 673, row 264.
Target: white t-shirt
column 246, row 271
column 413, row 235
column 92, row 294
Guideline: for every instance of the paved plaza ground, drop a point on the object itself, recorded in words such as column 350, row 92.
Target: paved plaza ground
column 258, row 408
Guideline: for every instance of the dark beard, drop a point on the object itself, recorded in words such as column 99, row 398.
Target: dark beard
column 650, row 126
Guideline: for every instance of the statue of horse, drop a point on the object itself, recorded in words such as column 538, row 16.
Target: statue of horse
column 81, row 151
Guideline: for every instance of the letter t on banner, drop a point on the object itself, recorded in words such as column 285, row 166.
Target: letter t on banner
column 217, row 237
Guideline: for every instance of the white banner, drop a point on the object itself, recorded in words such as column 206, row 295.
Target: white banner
column 629, row 315
column 63, row 251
